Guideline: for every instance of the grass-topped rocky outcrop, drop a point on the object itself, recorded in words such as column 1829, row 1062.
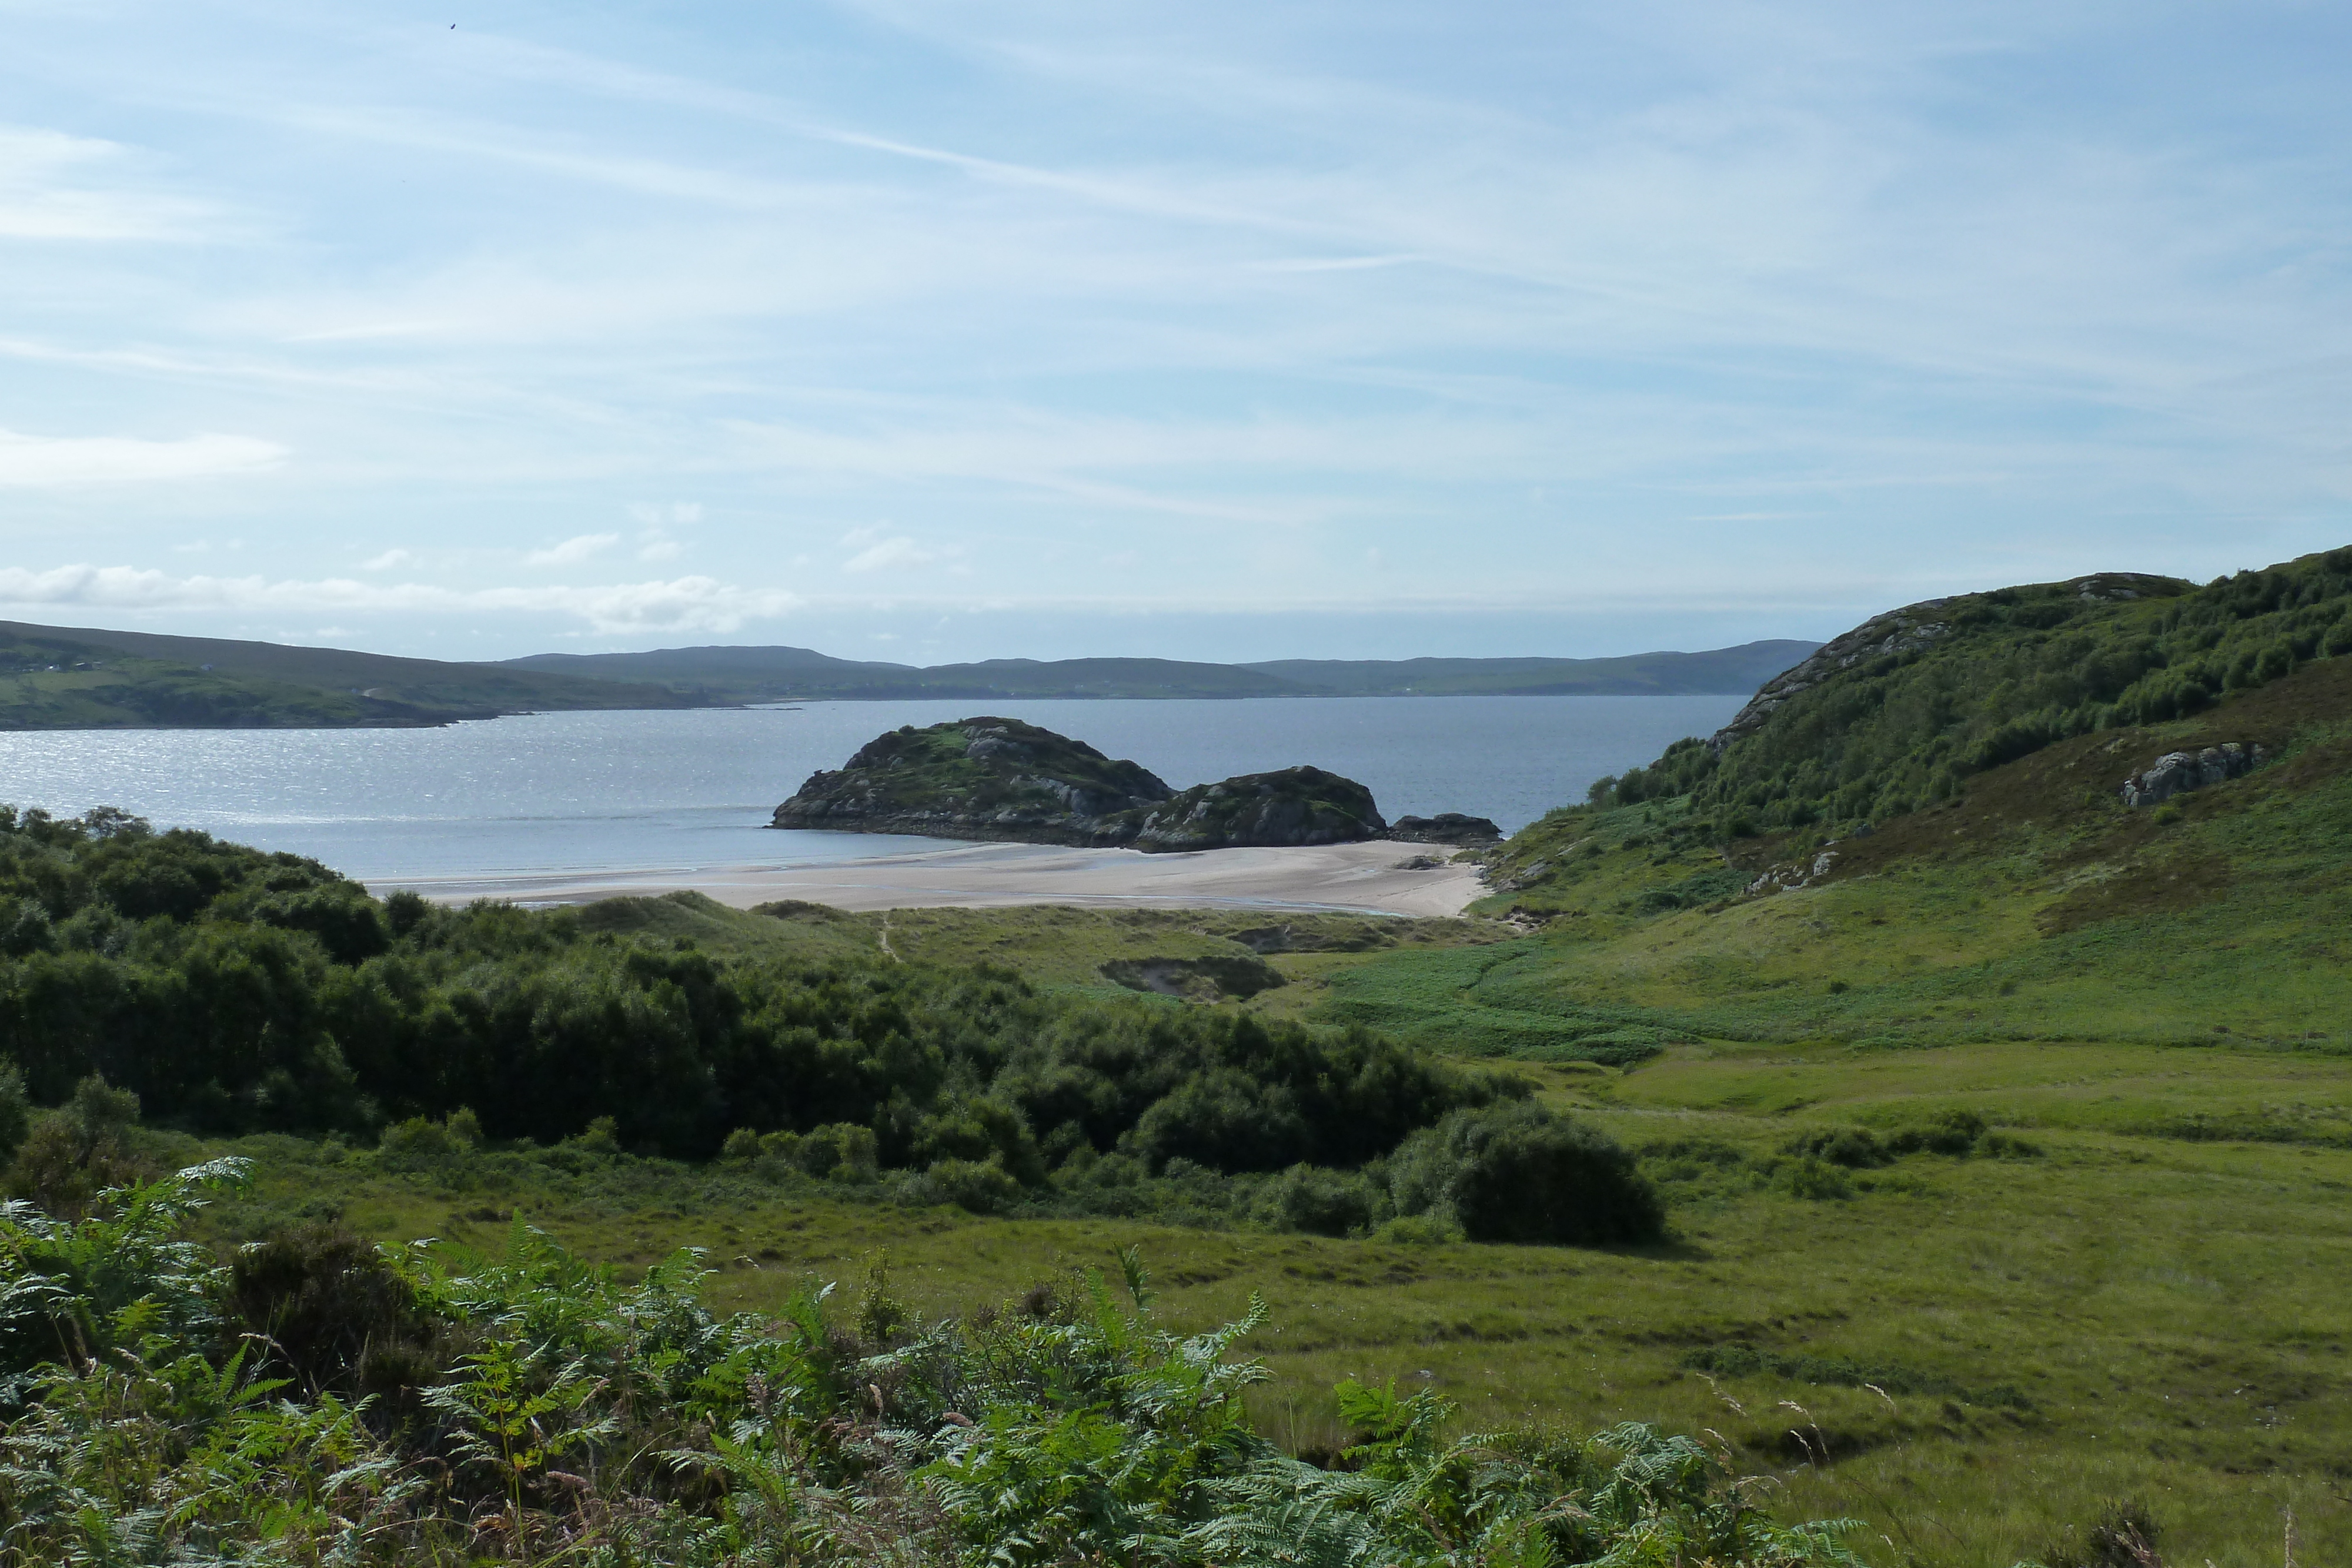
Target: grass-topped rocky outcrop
column 990, row 778
column 1900, row 712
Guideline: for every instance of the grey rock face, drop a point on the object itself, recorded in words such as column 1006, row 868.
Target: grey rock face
column 2178, row 772
column 1800, row 873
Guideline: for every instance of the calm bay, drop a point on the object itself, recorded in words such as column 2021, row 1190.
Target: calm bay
column 677, row 791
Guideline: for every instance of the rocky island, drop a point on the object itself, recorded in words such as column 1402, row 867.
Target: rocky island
column 991, row 778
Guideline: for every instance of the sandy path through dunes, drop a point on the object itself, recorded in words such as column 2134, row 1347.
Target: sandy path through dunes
column 1363, row 878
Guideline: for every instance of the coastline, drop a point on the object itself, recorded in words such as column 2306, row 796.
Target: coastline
column 1365, row 878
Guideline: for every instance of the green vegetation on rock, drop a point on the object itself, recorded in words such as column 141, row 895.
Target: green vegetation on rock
column 1001, row 779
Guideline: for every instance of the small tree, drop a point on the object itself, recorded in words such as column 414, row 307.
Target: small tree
column 1521, row 1173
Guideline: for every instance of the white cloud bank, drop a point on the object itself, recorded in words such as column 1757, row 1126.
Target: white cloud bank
column 31, row 461
column 680, row 604
column 574, row 550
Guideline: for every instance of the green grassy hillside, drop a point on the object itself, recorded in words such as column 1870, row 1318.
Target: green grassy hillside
column 1897, row 714
column 66, row 678
column 2033, row 905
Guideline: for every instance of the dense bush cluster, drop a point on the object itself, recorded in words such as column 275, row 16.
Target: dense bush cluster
column 2020, row 668
column 230, row 991
column 315, row 1400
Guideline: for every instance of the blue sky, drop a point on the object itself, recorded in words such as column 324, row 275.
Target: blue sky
column 940, row 330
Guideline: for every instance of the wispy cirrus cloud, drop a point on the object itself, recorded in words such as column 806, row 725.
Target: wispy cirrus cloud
column 685, row 603
column 877, row 549
column 57, row 186
column 62, row 461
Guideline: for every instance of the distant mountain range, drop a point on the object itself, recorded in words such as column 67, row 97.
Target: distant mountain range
column 767, row 675
column 57, row 677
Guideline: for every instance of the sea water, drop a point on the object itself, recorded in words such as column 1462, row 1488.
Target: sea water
column 659, row 791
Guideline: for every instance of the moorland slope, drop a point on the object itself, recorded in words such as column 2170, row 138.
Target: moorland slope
column 68, row 678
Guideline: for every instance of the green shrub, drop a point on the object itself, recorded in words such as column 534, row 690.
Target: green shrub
column 16, row 1111
column 1522, row 1173
column 842, row 1151
column 1319, row 1202
column 78, row 1150
column 1417, row 1230
column 1856, row 1148
column 419, row 1145
column 601, row 1136
column 1859, row 1148
column 2125, row 1535
column 1946, row 1133
column 1814, row 1178
column 328, row 1308
column 980, row 1186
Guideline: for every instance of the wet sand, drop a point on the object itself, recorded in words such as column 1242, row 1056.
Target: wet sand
column 1367, row 878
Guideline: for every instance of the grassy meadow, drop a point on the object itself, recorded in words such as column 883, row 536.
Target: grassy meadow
column 2115, row 1316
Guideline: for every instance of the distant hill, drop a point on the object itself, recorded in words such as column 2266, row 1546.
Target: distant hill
column 750, row 675
column 1726, row 671
column 64, row 677
column 55, row 678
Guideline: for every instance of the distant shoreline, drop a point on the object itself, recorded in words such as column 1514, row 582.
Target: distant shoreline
column 83, row 678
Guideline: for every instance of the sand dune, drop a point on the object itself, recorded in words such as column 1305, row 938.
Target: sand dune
column 1363, row 878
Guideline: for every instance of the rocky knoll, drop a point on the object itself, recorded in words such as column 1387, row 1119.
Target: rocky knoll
column 991, row 778
column 1293, row 806
column 2177, row 772
column 1915, row 626
column 1910, row 630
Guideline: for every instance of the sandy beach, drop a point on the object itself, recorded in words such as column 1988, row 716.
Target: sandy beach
column 1364, row 878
